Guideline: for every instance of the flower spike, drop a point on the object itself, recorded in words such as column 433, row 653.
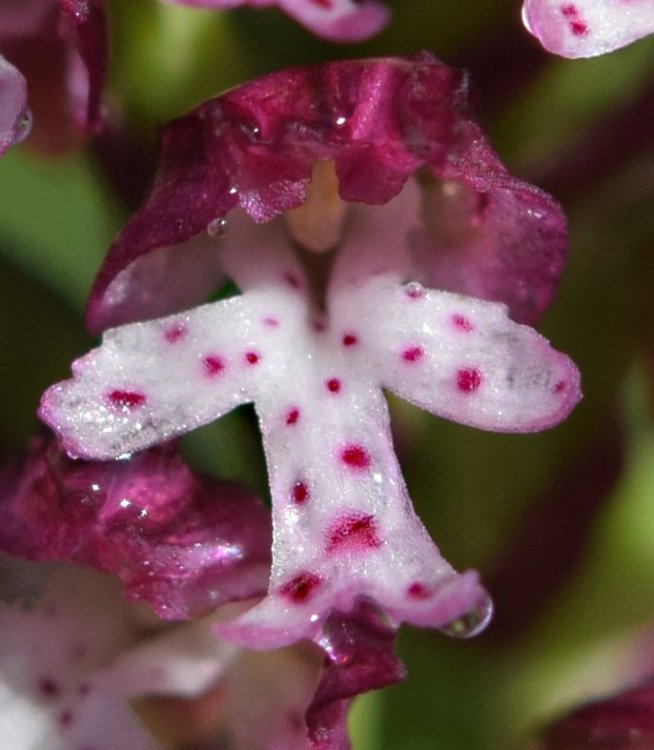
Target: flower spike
column 70, row 662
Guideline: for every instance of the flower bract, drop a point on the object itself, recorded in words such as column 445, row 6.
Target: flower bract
column 180, row 541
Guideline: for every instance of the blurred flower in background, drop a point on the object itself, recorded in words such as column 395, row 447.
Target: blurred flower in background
column 559, row 524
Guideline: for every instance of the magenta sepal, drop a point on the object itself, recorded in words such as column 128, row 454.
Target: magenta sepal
column 86, row 27
column 380, row 121
column 360, row 656
column 619, row 722
column 181, row 542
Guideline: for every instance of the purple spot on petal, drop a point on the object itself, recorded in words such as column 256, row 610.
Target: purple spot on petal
column 292, row 416
column 213, row 365
column 271, row 322
column 66, row 718
column 418, row 590
column 292, row 280
column 462, row 323
column 356, row 456
column 300, row 588
column 577, row 25
column 252, row 358
column 350, row 339
column 356, row 530
column 175, row 333
column 468, row 380
column 126, row 399
column 412, row 354
column 49, row 687
column 300, row 493
column 334, row 385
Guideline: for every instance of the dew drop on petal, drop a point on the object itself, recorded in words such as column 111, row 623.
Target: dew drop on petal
column 472, row 622
column 217, row 227
column 414, row 290
column 23, row 127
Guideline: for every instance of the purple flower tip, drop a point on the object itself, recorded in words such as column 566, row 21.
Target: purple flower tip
column 586, row 28
column 15, row 117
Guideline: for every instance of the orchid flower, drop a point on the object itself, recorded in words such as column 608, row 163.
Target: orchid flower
column 184, row 545
column 15, row 118
column 75, row 659
column 70, row 662
column 337, row 20
column 586, row 28
column 317, row 333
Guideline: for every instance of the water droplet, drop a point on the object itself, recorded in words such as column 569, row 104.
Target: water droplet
column 414, row 290
column 218, row 227
column 340, row 121
column 23, row 126
column 472, row 622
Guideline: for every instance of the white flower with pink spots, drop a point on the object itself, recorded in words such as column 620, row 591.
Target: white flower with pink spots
column 314, row 352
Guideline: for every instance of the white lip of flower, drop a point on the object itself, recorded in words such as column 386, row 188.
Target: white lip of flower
column 70, row 663
column 339, row 533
